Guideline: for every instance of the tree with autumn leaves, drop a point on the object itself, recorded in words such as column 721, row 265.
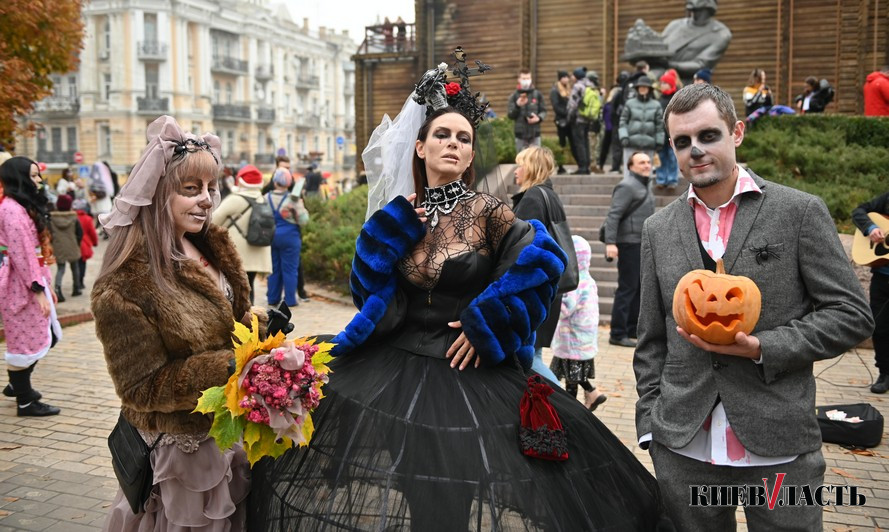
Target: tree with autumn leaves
column 37, row 38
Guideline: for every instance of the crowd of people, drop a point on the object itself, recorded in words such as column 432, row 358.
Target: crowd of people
column 457, row 295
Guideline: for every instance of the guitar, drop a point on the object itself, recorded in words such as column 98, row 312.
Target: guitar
column 867, row 253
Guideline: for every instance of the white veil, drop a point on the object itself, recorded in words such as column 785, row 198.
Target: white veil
column 389, row 155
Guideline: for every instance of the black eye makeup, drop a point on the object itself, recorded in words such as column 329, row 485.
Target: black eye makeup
column 706, row 136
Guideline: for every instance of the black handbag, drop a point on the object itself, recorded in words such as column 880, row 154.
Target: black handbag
column 561, row 233
column 131, row 461
column 866, row 433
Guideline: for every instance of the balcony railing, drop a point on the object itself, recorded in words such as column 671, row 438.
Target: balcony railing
column 152, row 105
column 152, row 51
column 264, row 158
column 58, row 105
column 265, row 114
column 231, row 112
column 265, row 72
column 308, row 121
column 66, row 156
column 307, row 81
column 389, row 38
column 229, row 65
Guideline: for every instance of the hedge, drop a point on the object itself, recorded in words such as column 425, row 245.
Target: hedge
column 842, row 159
column 328, row 240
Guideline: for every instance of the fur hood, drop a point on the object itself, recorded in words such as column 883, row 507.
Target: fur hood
column 164, row 348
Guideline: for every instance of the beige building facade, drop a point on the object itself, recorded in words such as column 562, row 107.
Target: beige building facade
column 238, row 68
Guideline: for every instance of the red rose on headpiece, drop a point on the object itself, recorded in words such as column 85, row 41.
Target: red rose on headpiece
column 452, row 88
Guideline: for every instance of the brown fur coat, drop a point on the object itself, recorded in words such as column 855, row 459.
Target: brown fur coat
column 163, row 349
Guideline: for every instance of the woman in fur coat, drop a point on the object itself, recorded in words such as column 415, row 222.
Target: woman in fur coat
column 420, row 427
column 27, row 302
column 170, row 289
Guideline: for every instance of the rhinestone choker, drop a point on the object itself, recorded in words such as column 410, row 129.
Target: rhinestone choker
column 444, row 199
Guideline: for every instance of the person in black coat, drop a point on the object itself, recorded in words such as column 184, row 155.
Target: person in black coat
column 535, row 165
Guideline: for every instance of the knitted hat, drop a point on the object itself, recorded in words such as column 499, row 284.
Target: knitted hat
column 643, row 81
column 580, row 72
column 668, row 82
column 704, row 75
column 593, row 76
column 282, row 177
column 250, row 177
column 63, row 203
column 561, row 74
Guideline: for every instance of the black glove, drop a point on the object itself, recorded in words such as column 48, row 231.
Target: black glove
column 279, row 320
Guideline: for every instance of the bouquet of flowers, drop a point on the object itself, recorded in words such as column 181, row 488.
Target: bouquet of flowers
column 269, row 400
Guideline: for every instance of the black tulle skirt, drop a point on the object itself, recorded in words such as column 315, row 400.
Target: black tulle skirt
column 404, row 442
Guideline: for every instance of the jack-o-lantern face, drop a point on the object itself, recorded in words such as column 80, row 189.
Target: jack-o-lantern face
column 716, row 306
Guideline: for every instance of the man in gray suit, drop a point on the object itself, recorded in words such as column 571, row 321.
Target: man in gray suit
column 736, row 414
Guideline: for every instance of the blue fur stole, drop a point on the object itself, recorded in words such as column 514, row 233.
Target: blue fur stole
column 501, row 321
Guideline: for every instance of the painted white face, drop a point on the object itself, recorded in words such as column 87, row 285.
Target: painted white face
column 192, row 204
column 447, row 150
column 704, row 146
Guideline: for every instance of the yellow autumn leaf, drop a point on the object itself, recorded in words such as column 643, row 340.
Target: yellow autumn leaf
column 265, row 444
column 308, row 429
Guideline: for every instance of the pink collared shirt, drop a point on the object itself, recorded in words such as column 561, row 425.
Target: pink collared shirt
column 715, row 225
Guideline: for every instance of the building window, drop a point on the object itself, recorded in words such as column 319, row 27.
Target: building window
column 287, row 103
column 260, row 142
column 72, row 87
column 106, row 37
column 72, row 138
column 290, row 143
column 150, row 27
column 317, row 143
column 104, row 140
column 329, row 146
column 41, row 141
column 217, row 96
column 106, row 87
column 56, row 138
column 230, row 143
column 56, row 86
column 228, row 93
column 151, row 81
column 303, row 144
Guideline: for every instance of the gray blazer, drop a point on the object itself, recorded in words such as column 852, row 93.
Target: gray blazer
column 813, row 308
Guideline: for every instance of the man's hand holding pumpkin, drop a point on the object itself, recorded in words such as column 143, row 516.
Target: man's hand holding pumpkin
column 745, row 346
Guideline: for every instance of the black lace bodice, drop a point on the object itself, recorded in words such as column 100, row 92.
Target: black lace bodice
column 476, row 225
column 446, row 270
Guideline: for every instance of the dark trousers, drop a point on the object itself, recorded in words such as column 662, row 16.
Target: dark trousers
column 251, row 276
column 580, row 135
column 879, row 306
column 82, row 271
column 605, row 146
column 625, row 311
column 676, row 474
column 301, row 282
column 565, row 138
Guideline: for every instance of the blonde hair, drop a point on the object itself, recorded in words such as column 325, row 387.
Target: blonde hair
column 538, row 163
column 154, row 228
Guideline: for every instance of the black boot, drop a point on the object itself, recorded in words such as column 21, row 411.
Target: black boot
column 882, row 384
column 26, row 397
column 59, row 295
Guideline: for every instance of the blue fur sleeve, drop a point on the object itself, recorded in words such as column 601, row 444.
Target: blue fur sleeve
column 384, row 239
column 503, row 319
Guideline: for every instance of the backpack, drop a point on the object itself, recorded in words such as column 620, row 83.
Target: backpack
column 260, row 226
column 591, row 104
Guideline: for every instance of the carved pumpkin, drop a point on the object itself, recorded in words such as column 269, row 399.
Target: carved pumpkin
column 716, row 306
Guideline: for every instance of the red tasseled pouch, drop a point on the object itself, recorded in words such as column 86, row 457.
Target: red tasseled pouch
column 541, row 434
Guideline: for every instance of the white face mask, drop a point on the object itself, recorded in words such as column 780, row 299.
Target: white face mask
column 525, row 83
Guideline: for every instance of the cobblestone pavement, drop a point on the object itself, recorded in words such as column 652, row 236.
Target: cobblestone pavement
column 55, row 473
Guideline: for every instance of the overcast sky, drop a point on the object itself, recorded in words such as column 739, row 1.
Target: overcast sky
column 352, row 15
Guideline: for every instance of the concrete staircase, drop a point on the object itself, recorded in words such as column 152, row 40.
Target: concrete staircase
column 587, row 199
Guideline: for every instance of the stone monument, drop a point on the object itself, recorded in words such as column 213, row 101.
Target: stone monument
column 687, row 44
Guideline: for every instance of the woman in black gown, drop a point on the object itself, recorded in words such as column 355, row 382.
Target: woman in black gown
column 419, row 429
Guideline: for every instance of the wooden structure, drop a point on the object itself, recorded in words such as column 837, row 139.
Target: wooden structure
column 841, row 40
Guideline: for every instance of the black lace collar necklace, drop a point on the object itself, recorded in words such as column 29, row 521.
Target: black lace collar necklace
column 444, row 199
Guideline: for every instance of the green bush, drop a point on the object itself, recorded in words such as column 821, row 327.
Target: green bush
column 842, row 159
column 328, row 240
column 504, row 143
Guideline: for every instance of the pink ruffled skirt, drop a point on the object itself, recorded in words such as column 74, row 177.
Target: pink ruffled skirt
column 205, row 490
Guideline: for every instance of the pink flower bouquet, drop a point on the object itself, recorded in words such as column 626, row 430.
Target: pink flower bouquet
column 269, row 400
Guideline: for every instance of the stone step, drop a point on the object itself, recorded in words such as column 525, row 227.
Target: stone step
column 605, row 199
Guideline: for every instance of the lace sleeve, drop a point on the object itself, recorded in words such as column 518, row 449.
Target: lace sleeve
column 498, row 219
